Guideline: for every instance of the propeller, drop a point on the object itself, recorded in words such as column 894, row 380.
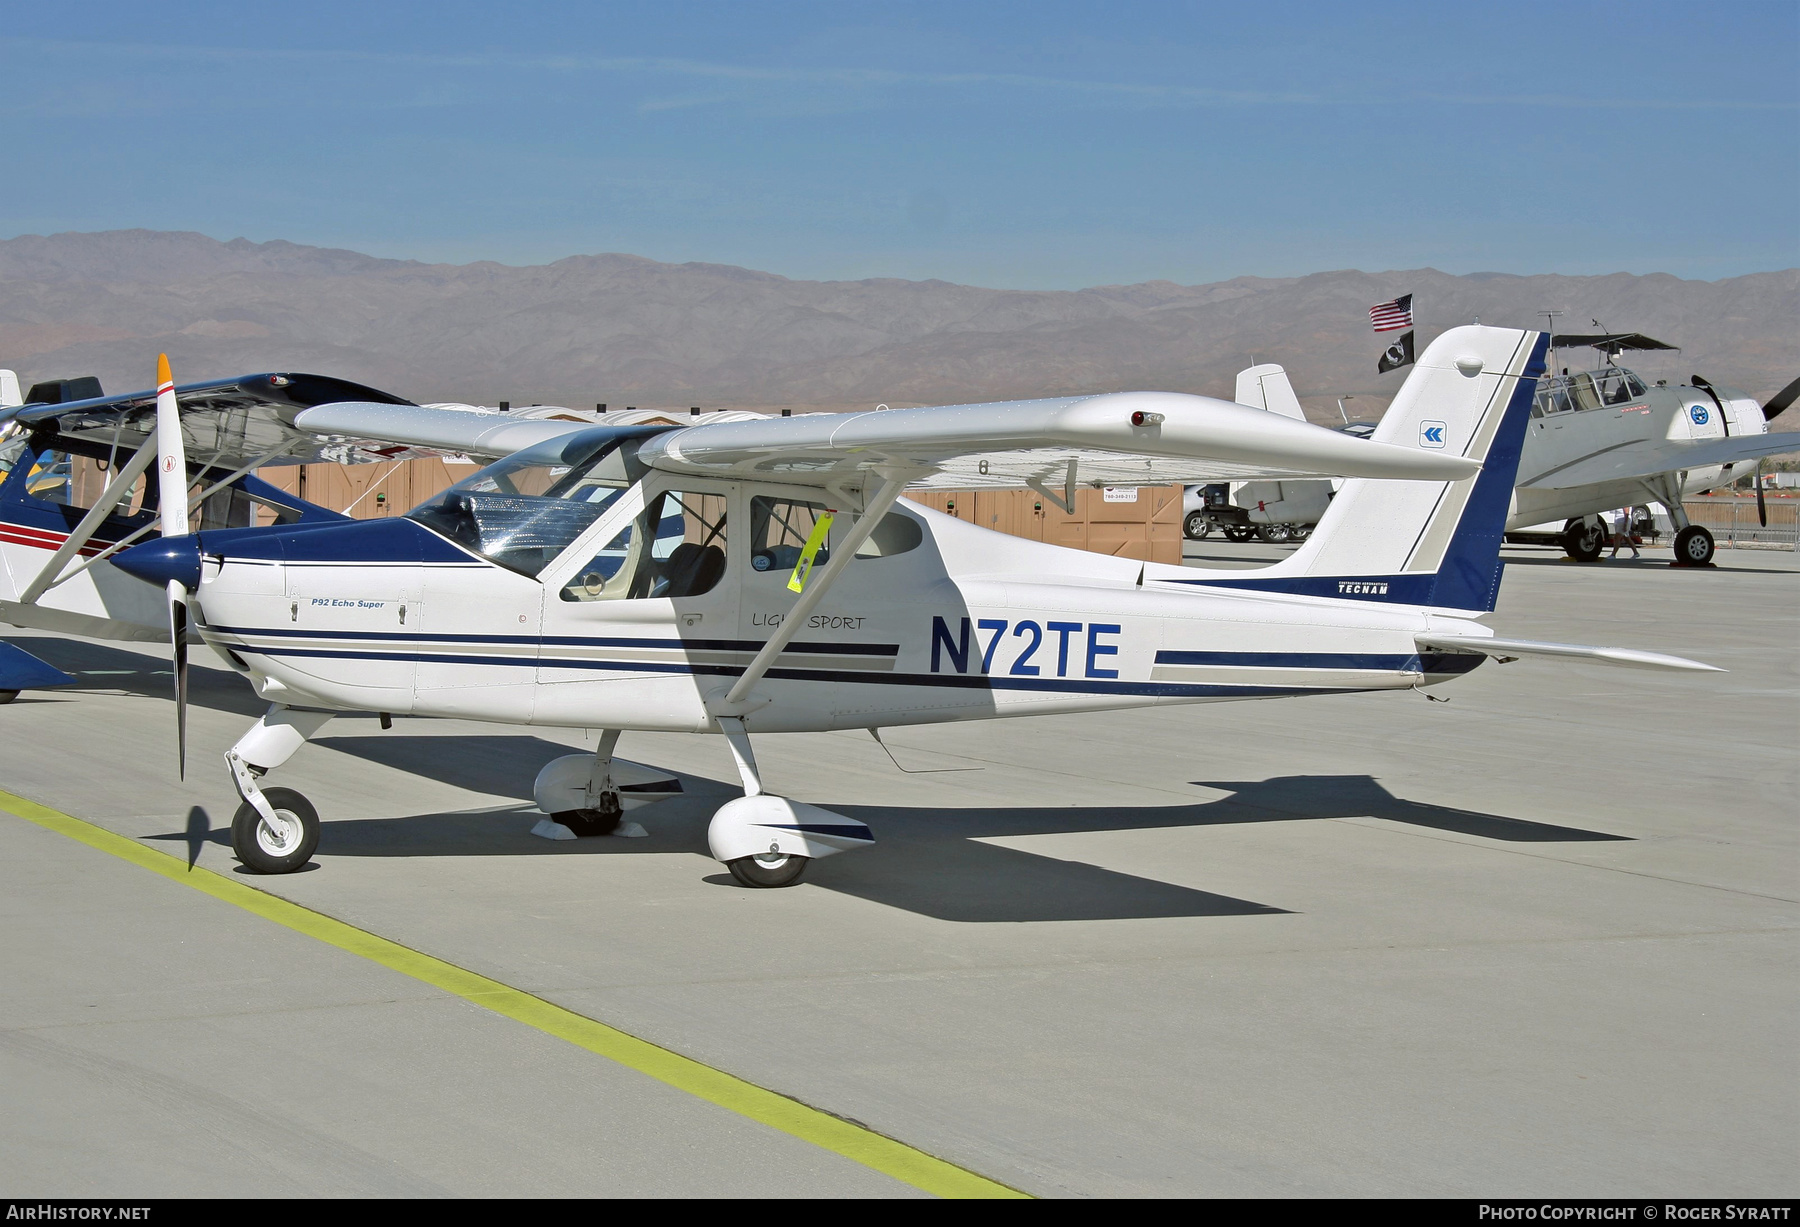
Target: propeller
column 172, row 497
column 1782, row 400
column 1762, row 507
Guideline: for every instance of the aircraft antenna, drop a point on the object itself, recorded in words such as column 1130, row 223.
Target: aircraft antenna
column 1551, row 317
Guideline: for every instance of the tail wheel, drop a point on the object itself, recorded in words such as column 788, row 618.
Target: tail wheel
column 1300, row 532
column 281, row 848
column 768, row 870
column 1693, row 547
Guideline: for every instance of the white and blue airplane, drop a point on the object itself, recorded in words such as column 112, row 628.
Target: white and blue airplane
column 753, row 577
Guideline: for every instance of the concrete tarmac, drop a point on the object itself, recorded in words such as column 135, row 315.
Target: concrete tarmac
column 1538, row 941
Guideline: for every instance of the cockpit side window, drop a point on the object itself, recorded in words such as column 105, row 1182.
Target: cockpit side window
column 70, row 480
column 780, row 529
column 1583, row 392
column 676, row 547
column 1619, row 385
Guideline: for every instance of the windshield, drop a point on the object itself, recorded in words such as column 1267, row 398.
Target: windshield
column 523, row 511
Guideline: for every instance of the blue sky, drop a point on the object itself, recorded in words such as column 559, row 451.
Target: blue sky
column 1044, row 145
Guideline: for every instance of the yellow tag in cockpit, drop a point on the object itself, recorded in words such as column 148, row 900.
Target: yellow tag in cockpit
column 803, row 568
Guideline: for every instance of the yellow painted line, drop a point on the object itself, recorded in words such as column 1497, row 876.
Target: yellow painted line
column 809, row 1124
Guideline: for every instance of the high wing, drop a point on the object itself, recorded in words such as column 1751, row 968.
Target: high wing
column 1647, row 458
column 225, row 423
column 1119, row 438
column 432, row 429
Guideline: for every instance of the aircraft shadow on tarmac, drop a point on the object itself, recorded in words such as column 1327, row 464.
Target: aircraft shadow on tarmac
column 100, row 667
column 931, row 861
column 1633, row 564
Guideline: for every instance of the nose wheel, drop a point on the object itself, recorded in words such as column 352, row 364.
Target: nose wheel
column 279, row 846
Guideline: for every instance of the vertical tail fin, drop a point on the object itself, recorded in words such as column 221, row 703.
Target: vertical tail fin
column 1428, row 543
column 1267, row 387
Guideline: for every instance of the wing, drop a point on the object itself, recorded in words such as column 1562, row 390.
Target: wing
column 226, row 422
column 1119, row 438
column 430, row 429
column 468, row 430
column 1646, row 458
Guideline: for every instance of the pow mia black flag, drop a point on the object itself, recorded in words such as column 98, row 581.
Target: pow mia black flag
column 1397, row 355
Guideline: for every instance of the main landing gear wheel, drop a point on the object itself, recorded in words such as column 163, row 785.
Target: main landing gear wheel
column 768, row 869
column 264, row 849
column 1584, row 540
column 1197, row 526
column 1693, row 547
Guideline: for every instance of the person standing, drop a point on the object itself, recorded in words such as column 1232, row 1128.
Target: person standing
column 1621, row 526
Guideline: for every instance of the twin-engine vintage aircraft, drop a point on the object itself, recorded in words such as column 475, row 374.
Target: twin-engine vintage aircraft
column 752, row 577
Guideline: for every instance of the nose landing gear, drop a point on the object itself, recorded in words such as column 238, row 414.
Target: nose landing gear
column 275, row 830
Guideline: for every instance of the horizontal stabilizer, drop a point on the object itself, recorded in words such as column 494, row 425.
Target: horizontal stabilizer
column 20, row 670
column 1507, row 649
column 1646, row 458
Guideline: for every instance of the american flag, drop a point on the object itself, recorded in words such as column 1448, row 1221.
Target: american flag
column 1388, row 316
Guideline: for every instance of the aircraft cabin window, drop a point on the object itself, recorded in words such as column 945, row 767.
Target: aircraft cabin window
column 1617, row 387
column 896, row 534
column 69, row 480
column 1554, row 398
column 10, row 451
column 523, row 511
column 686, row 554
column 780, row 528
column 1582, row 391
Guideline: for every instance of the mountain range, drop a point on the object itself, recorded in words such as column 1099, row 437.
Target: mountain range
column 622, row 329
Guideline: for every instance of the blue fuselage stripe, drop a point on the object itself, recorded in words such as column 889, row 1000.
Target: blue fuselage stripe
column 565, row 641
column 978, row 681
column 1292, row 660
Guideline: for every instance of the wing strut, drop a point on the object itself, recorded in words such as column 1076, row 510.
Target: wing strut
column 893, row 482
column 194, row 505
column 115, row 493
column 1066, row 500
